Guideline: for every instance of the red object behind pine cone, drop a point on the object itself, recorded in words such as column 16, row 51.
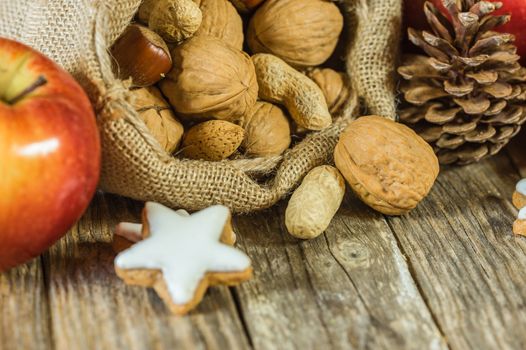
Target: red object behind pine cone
column 414, row 17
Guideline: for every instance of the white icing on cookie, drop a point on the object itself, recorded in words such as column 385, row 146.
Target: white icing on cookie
column 182, row 212
column 184, row 248
column 133, row 232
column 521, row 187
column 130, row 231
column 522, row 214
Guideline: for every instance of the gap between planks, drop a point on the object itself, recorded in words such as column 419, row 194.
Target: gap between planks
column 312, row 274
column 470, row 267
column 349, row 288
column 93, row 309
column 414, row 276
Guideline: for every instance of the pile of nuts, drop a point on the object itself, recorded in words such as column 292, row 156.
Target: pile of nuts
column 386, row 164
column 203, row 97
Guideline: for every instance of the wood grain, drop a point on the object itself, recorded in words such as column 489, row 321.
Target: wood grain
column 24, row 317
column 449, row 274
column 92, row 309
column 349, row 288
column 469, row 266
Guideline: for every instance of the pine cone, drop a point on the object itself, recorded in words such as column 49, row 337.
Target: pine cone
column 467, row 96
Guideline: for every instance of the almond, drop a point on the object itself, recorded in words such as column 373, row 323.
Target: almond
column 212, row 140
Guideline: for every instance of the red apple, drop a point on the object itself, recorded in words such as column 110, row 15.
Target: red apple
column 415, row 18
column 517, row 25
column 49, row 153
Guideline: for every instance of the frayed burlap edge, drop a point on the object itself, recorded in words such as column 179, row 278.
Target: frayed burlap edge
column 134, row 164
column 78, row 33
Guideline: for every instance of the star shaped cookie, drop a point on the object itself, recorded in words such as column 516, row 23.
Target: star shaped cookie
column 519, row 226
column 519, row 200
column 519, row 196
column 181, row 255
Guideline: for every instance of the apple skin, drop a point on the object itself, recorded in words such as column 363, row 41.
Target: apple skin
column 414, row 17
column 517, row 27
column 49, row 157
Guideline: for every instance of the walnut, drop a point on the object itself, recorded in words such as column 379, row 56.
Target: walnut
column 174, row 20
column 158, row 117
column 142, row 55
column 267, row 130
column 210, row 79
column 221, row 21
column 303, row 33
column 335, row 86
column 145, row 10
column 386, row 164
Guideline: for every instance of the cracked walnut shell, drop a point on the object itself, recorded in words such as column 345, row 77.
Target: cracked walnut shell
column 158, row 117
column 388, row 166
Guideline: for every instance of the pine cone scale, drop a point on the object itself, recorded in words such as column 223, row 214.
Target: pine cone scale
column 466, row 96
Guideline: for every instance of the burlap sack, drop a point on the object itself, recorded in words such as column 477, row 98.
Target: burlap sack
column 78, row 33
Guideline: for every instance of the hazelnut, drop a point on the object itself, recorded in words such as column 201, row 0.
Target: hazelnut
column 142, row 55
column 386, row 164
column 210, row 79
column 303, row 33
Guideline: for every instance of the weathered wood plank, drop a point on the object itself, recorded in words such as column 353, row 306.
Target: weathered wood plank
column 469, row 266
column 92, row 309
column 517, row 151
column 349, row 288
column 24, row 317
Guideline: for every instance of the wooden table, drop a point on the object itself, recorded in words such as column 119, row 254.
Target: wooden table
column 448, row 275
